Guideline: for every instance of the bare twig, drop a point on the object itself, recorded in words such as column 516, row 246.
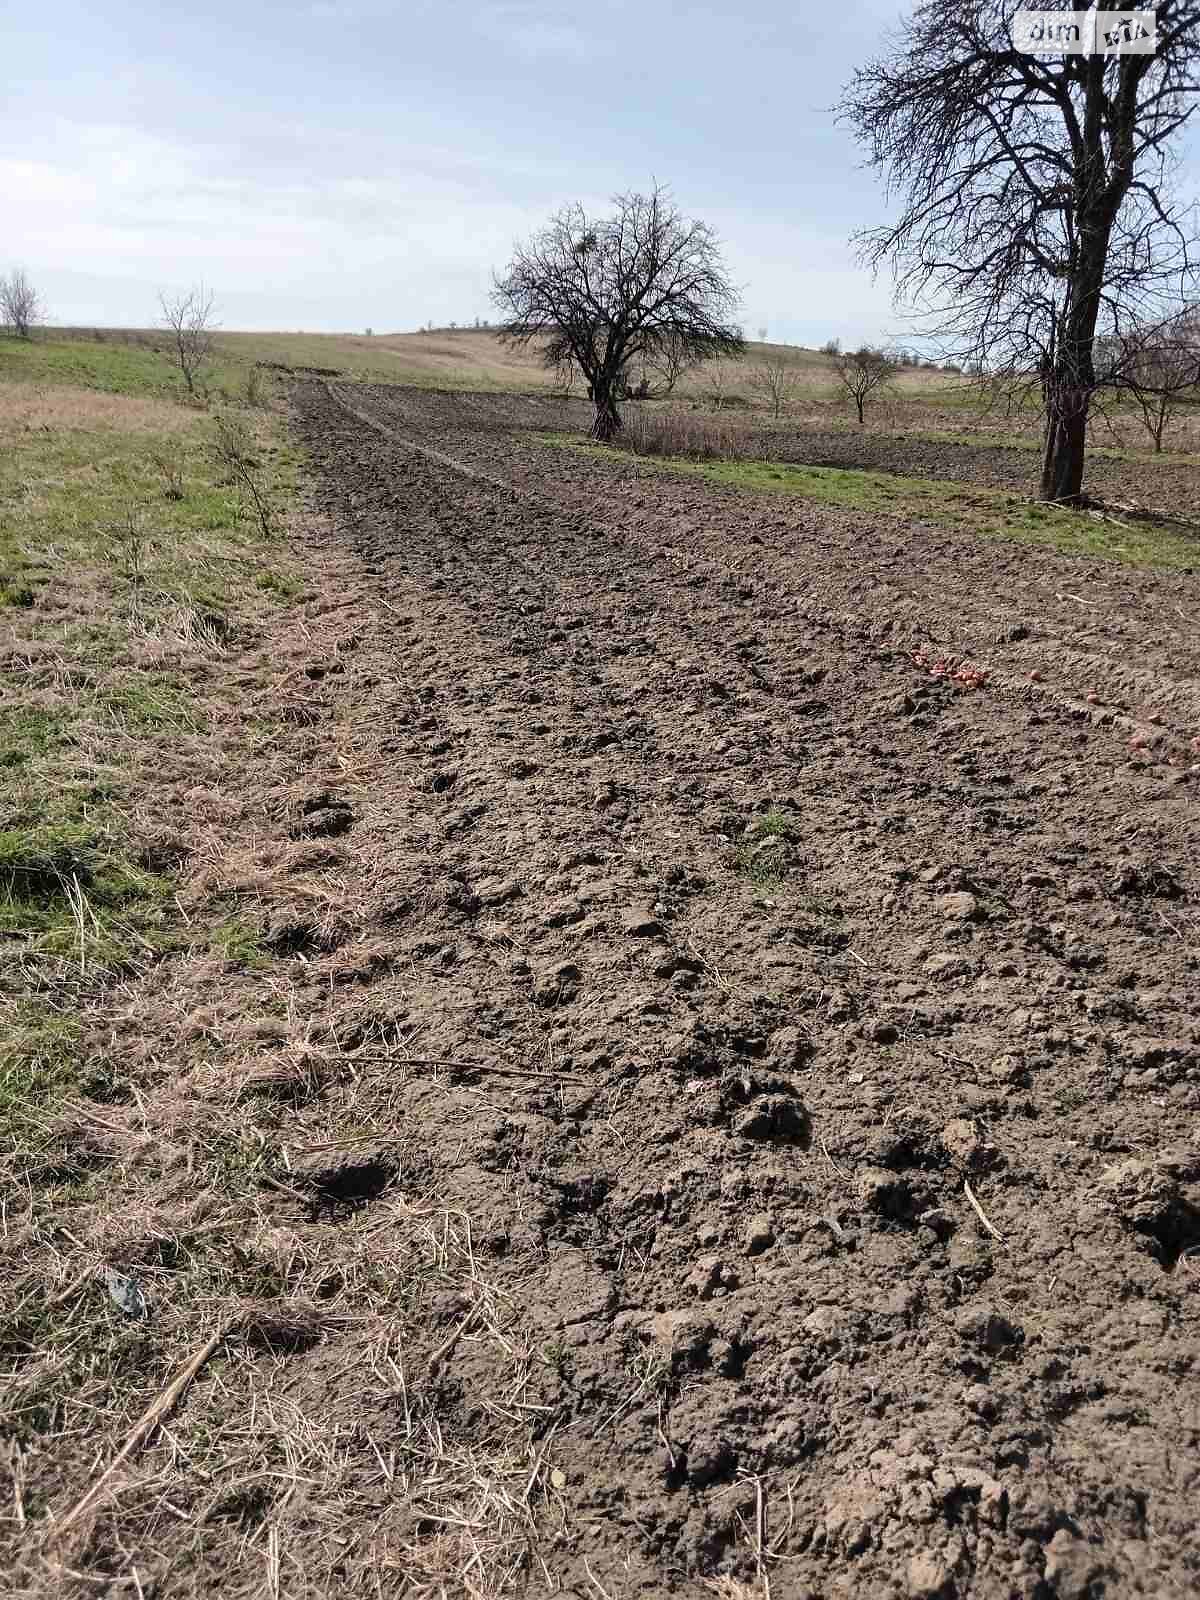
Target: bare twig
column 472, row 1066
column 760, row 1528
column 595, row 1582
column 161, row 1407
column 979, row 1212
column 841, row 1172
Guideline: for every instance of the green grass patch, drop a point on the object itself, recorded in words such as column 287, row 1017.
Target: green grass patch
column 26, row 733
column 36, row 862
column 279, row 585
column 237, row 942
column 80, row 496
column 961, row 508
column 41, row 1060
column 152, row 700
column 14, row 590
column 117, row 583
column 112, row 365
column 70, row 890
column 761, row 856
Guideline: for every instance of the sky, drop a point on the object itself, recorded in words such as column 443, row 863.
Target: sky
column 333, row 165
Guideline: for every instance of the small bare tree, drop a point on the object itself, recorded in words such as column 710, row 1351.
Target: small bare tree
column 20, row 305
column 862, row 372
column 1159, row 366
column 234, row 449
column 716, row 384
column 189, row 320
column 669, row 361
column 775, row 380
column 563, row 381
column 612, row 292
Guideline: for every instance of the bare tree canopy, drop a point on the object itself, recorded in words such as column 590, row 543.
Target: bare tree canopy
column 670, row 359
column 1036, row 201
column 644, row 284
column 189, row 320
column 861, row 372
column 20, row 304
column 774, row 379
column 1159, row 365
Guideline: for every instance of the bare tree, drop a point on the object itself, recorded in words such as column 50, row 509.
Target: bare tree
column 665, row 366
column 1037, row 205
column 189, row 320
column 863, row 371
column 564, row 378
column 831, row 348
column 670, row 361
column 775, row 380
column 716, row 384
column 20, row 304
column 609, row 291
column 1159, row 366
column 234, row 449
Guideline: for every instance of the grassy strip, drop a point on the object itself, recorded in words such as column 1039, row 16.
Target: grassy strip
column 139, row 363
column 128, row 563
column 134, row 576
column 960, row 508
column 113, row 364
column 1025, row 442
column 162, row 1059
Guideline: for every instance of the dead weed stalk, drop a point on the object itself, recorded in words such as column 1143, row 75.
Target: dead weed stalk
column 235, row 452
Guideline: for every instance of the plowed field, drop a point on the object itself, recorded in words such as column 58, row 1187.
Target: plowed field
column 802, row 1028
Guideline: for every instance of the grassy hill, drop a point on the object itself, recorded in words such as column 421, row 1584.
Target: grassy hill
column 462, row 358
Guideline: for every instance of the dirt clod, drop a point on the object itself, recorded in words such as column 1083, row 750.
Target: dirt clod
column 959, row 906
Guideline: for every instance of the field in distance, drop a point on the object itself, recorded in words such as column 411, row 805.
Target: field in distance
column 476, row 358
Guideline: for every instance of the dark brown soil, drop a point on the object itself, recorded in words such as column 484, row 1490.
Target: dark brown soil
column 783, row 965
column 1161, row 484
column 1121, row 469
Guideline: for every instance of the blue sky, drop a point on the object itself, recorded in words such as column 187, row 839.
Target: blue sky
column 338, row 164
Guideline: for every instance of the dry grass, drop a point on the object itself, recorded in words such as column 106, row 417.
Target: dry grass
column 23, row 409
column 226, row 1437
column 462, row 358
column 691, row 436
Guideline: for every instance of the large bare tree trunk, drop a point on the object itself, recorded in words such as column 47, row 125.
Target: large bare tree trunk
column 1066, row 440
column 608, row 419
column 1072, row 378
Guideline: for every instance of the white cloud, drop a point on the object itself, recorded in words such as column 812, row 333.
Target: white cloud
column 528, row 31
column 125, row 204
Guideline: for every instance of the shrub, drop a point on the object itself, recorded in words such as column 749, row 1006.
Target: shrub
column 693, row 436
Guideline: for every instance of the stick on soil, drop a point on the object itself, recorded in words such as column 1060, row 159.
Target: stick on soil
column 979, row 1212
column 163, row 1404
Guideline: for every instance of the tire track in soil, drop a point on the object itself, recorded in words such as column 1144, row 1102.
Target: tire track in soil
column 742, row 1244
